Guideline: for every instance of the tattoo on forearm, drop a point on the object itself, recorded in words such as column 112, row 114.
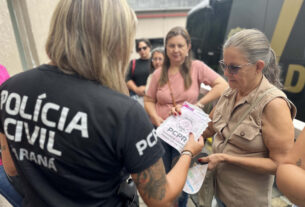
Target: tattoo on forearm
column 153, row 181
column 299, row 162
column 3, row 147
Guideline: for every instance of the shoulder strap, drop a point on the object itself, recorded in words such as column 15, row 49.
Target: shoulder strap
column 247, row 113
column 133, row 66
column 171, row 93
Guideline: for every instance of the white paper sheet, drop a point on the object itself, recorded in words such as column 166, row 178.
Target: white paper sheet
column 195, row 177
column 175, row 129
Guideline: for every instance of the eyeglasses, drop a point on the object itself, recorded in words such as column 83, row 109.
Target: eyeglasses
column 157, row 59
column 233, row 69
column 142, row 48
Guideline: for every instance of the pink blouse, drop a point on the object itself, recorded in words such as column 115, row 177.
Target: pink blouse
column 3, row 74
column 3, row 77
column 200, row 73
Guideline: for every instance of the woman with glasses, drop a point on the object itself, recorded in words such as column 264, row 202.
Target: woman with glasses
column 139, row 70
column 157, row 59
column 176, row 82
column 247, row 150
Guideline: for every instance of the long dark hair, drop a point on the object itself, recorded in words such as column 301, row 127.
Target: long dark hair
column 146, row 41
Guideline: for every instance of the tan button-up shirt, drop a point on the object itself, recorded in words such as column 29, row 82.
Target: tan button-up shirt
column 237, row 186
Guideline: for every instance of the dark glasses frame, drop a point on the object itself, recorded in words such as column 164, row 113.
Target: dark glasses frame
column 142, row 48
column 233, row 69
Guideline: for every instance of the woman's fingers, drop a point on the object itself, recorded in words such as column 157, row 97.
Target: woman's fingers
column 175, row 110
column 203, row 159
column 178, row 109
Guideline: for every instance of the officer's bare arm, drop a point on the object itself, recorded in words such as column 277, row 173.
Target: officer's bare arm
column 8, row 163
column 159, row 189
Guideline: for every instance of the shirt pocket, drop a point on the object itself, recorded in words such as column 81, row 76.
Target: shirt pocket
column 247, row 138
column 246, row 132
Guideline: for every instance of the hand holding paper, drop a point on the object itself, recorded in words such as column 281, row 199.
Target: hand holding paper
column 175, row 129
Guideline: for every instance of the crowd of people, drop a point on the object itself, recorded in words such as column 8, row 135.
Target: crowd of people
column 87, row 141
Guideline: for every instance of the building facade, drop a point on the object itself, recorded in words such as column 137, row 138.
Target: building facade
column 24, row 26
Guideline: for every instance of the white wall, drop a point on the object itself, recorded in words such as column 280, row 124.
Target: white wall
column 9, row 56
column 40, row 13
column 156, row 28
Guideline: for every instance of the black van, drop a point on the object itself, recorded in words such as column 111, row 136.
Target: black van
column 283, row 22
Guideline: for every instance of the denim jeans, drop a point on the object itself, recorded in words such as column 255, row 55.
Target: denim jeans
column 170, row 157
column 8, row 191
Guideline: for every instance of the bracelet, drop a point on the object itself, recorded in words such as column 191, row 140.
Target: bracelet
column 187, row 152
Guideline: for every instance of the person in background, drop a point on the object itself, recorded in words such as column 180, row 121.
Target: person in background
column 6, row 188
column 73, row 143
column 176, row 82
column 290, row 175
column 139, row 69
column 3, row 74
column 157, row 59
column 245, row 165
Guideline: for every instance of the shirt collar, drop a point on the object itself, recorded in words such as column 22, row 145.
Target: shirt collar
column 250, row 98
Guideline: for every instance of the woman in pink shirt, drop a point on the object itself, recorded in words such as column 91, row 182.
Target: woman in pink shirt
column 184, row 76
column 3, row 74
column 6, row 189
column 3, row 77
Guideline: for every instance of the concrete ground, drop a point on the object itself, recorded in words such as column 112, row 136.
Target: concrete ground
column 278, row 200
